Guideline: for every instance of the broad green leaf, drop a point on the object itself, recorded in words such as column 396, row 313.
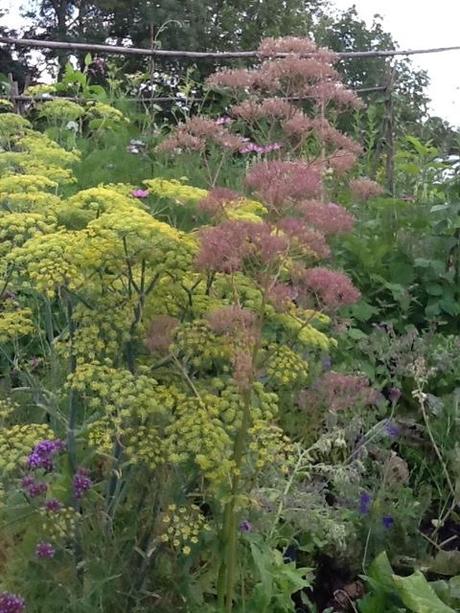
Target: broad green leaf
column 363, row 311
column 377, row 602
column 450, row 307
column 356, row 334
column 264, row 567
column 434, row 289
column 446, row 563
column 417, row 594
column 448, row 591
column 381, row 571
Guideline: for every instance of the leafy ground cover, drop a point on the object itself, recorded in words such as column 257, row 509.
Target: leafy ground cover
column 220, row 390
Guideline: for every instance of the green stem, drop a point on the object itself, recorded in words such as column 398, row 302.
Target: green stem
column 226, row 583
column 227, row 572
column 71, row 401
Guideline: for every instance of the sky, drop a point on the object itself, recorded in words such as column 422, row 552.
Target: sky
column 423, row 24
column 415, row 24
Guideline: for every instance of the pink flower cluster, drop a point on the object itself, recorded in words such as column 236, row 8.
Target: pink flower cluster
column 287, row 44
column 334, row 137
column 269, row 108
column 279, row 183
column 330, row 289
column 233, row 78
column 161, row 333
column 232, row 320
column 325, row 92
column 281, row 295
column 240, row 326
column 217, row 200
column 299, row 126
column 338, row 392
column 196, row 133
column 329, row 218
column 292, row 67
column 231, row 245
column 364, row 189
column 307, row 238
column 293, row 75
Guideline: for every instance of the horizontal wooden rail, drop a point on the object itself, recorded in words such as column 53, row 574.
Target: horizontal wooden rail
column 159, row 99
column 211, row 55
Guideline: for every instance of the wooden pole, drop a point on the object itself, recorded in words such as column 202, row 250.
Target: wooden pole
column 159, row 99
column 14, row 93
column 390, row 131
column 218, row 55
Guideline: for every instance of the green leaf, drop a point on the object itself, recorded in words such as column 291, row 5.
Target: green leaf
column 417, row 594
column 363, row 311
column 434, row 289
column 88, row 59
column 263, row 565
column 381, row 571
column 450, row 307
column 356, row 334
column 436, row 265
column 446, row 563
column 402, row 273
column 432, row 310
column 439, row 207
column 374, row 603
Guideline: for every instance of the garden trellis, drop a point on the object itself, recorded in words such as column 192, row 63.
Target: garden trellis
column 387, row 89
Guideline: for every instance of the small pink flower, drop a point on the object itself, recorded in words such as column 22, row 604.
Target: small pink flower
column 224, row 121
column 140, row 193
column 249, row 148
column 272, row 147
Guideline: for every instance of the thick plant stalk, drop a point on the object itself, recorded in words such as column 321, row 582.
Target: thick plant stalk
column 72, row 405
column 71, row 438
column 227, row 574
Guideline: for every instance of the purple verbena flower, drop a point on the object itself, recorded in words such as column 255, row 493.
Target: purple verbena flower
column 365, row 503
column 392, row 429
column 245, row 526
column 33, row 487
column 388, row 522
column 11, row 603
column 394, row 394
column 81, row 483
column 140, row 193
column 43, row 453
column 53, row 505
column 45, row 551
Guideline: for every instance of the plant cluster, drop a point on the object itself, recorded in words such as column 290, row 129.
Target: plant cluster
column 195, row 411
